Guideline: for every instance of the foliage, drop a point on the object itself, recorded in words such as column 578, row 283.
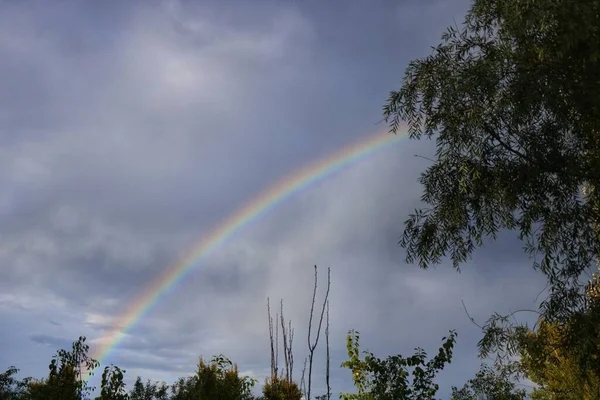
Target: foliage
column 183, row 389
column 113, row 387
column 395, row 377
column 489, row 384
column 10, row 387
column 217, row 380
column 390, row 378
column 563, row 358
column 281, row 389
column 149, row 390
column 549, row 364
column 514, row 102
column 65, row 379
column 560, row 357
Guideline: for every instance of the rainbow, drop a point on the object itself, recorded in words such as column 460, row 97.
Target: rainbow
column 245, row 215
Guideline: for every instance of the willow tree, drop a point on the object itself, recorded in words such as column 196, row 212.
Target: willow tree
column 512, row 99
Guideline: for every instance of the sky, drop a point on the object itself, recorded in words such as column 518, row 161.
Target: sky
column 129, row 130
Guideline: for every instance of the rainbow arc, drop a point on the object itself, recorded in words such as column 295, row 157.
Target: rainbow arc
column 240, row 219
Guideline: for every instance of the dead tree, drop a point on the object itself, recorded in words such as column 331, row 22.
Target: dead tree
column 287, row 333
column 273, row 354
column 276, row 345
column 327, row 361
column 288, row 339
column 313, row 346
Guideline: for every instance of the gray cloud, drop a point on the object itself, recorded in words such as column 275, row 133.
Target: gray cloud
column 52, row 341
column 123, row 145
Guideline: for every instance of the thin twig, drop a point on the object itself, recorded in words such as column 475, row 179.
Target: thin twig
column 469, row 316
column 425, row 158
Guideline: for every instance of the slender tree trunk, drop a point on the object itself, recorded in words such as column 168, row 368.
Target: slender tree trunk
column 303, row 380
column 273, row 354
column 313, row 346
column 328, row 358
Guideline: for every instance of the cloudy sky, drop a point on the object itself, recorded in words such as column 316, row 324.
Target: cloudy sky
column 128, row 130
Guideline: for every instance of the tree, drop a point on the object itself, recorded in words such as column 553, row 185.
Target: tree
column 217, row 380
column 12, row 388
column 141, row 391
column 489, row 385
column 149, row 390
column 113, row 387
column 390, row 378
column 513, row 100
column 313, row 345
column 183, row 389
column 563, row 358
column 65, row 379
column 560, row 357
column 550, row 364
column 281, row 387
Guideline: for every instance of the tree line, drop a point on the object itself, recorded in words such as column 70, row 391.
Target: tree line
column 543, row 358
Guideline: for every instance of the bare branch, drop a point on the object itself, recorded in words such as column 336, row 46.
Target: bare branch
column 425, row 158
column 291, row 354
column 313, row 346
column 273, row 345
column 276, row 346
column 302, row 379
column 469, row 316
column 327, row 367
column 288, row 335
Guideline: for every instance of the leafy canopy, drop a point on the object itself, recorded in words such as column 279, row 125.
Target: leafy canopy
column 395, row 377
column 513, row 100
column 489, row 384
